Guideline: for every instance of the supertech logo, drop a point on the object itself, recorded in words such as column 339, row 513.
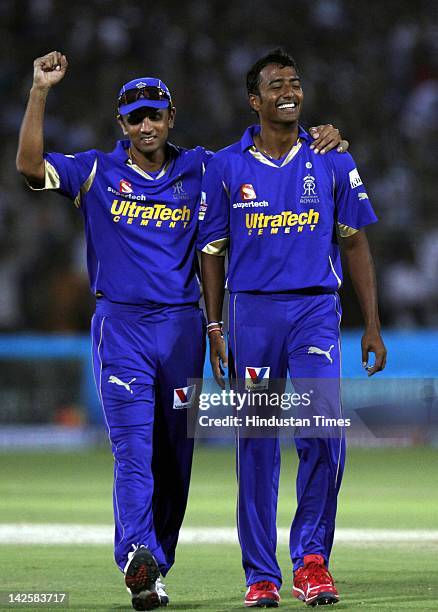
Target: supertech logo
column 251, row 204
column 125, row 186
column 247, row 192
column 157, row 214
column 257, row 378
column 248, row 198
column 126, row 191
column 184, row 397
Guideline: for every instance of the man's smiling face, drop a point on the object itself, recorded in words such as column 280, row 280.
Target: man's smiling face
column 280, row 97
column 148, row 128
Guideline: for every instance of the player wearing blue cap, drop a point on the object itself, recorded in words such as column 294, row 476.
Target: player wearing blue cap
column 280, row 212
column 140, row 206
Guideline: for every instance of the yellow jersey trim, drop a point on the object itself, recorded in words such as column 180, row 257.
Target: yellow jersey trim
column 346, row 230
column 51, row 178
column 86, row 185
column 145, row 174
column 265, row 160
column 217, row 247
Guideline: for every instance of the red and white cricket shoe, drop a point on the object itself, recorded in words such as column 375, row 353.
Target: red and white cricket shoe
column 313, row 583
column 263, row 594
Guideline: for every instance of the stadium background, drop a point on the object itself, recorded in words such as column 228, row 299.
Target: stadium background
column 370, row 70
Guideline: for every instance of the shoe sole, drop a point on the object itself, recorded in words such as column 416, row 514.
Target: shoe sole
column 323, row 599
column 140, row 578
column 262, row 603
column 146, row 600
column 142, row 572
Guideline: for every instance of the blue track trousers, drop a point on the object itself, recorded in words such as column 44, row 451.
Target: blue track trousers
column 143, row 358
column 281, row 331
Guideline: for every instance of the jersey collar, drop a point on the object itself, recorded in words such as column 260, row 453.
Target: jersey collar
column 121, row 154
column 247, row 140
column 247, row 144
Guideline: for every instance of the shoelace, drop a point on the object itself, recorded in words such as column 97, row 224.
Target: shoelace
column 159, row 585
column 318, row 572
column 265, row 585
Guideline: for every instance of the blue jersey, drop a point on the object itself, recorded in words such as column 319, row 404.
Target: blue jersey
column 278, row 218
column 140, row 228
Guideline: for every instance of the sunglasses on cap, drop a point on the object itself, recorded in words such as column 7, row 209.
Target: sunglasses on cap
column 143, row 93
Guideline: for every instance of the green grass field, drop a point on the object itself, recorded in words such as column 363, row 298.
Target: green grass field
column 383, row 488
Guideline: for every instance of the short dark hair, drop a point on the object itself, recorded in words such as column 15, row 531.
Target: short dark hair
column 276, row 56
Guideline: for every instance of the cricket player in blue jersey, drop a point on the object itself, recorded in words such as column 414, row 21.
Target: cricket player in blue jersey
column 280, row 212
column 140, row 208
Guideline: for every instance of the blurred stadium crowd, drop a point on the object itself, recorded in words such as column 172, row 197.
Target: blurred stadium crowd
column 369, row 68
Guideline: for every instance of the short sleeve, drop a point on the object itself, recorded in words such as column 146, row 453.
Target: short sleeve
column 353, row 207
column 214, row 212
column 205, row 157
column 71, row 175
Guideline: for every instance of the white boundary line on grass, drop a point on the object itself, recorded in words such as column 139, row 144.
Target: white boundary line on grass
column 59, row 533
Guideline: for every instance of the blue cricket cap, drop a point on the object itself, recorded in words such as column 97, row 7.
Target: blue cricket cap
column 146, row 91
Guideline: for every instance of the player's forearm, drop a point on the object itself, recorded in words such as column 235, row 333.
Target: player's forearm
column 213, row 280
column 30, row 161
column 361, row 268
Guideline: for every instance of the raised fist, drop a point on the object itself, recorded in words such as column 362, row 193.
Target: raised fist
column 49, row 69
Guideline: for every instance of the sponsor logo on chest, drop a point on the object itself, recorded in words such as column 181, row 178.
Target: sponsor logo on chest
column 126, row 191
column 153, row 214
column 247, row 192
column 287, row 221
column 259, row 223
column 125, row 186
column 248, row 197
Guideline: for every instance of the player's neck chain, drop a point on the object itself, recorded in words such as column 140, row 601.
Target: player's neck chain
column 264, row 151
column 134, row 161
